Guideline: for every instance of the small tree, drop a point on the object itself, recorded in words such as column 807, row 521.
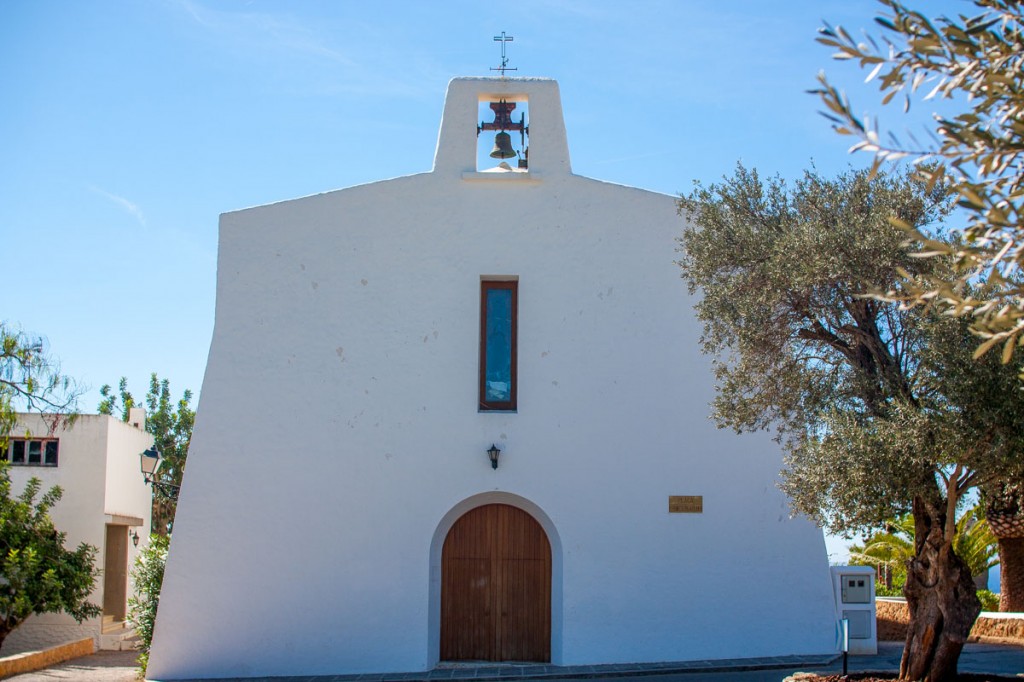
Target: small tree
column 148, row 578
column 37, row 574
column 31, row 380
column 170, row 424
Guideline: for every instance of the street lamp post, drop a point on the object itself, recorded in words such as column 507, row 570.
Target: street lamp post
column 149, row 462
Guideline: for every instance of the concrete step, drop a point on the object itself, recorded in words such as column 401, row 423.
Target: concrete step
column 121, row 638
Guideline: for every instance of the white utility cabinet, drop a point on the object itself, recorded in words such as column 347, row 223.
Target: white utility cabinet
column 854, row 588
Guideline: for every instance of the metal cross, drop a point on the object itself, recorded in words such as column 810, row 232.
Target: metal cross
column 504, row 60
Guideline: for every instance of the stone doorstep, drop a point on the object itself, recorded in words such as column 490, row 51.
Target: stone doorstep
column 118, row 636
column 470, row 671
column 486, row 670
column 123, row 638
column 37, row 660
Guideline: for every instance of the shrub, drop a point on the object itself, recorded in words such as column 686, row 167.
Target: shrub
column 882, row 591
column 989, row 600
column 147, row 576
column 37, row 573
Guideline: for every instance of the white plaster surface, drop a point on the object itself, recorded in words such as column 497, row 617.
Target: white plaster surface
column 338, row 434
column 98, row 471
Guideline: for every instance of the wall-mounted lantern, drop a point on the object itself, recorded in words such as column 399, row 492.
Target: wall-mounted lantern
column 492, row 453
column 134, row 535
column 149, row 461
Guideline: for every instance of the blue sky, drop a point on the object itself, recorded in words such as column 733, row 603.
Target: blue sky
column 127, row 127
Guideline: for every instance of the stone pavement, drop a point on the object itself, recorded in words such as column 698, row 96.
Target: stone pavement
column 996, row 659
column 977, row 657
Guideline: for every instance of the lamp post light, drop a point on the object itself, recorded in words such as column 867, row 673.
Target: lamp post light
column 492, row 453
column 149, row 462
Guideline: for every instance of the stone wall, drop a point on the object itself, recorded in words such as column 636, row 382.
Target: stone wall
column 892, row 619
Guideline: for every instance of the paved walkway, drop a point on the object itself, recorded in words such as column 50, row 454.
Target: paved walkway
column 102, row 666
column 995, row 659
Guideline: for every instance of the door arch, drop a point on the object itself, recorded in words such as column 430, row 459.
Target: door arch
column 496, row 587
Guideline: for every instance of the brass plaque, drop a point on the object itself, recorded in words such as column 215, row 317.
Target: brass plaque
column 685, row 504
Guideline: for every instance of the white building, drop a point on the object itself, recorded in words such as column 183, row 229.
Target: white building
column 340, row 513
column 106, row 503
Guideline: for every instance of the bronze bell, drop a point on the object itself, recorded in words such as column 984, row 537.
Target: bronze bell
column 502, row 146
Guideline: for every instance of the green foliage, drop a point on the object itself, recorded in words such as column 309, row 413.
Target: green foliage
column 876, row 405
column 975, row 543
column 31, row 380
column 890, row 550
column 797, row 346
column 147, row 577
column 170, row 424
column 883, row 590
column 989, row 600
column 37, row 574
column 979, row 152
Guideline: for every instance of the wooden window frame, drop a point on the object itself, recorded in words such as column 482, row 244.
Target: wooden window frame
column 485, row 405
column 26, row 452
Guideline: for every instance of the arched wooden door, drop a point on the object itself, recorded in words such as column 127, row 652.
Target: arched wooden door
column 496, row 587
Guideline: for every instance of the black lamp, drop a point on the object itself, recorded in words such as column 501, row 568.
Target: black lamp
column 134, row 535
column 149, row 460
column 493, row 453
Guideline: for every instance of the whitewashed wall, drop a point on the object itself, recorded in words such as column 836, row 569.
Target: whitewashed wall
column 338, row 435
column 127, row 492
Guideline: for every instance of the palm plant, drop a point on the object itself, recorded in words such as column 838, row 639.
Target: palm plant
column 889, row 550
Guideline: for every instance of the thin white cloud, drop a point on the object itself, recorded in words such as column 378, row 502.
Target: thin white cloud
column 263, row 30
column 346, row 56
column 129, row 207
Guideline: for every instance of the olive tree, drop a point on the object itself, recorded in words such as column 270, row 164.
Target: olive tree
column 974, row 62
column 858, row 390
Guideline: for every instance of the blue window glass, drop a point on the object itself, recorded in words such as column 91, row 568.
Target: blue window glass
column 498, row 345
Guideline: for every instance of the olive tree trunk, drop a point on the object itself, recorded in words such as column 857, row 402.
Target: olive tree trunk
column 941, row 600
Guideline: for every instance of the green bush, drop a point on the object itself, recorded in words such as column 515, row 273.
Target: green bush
column 37, row 573
column 989, row 600
column 148, row 576
column 882, row 591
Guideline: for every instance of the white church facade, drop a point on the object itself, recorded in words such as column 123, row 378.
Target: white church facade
column 341, row 512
